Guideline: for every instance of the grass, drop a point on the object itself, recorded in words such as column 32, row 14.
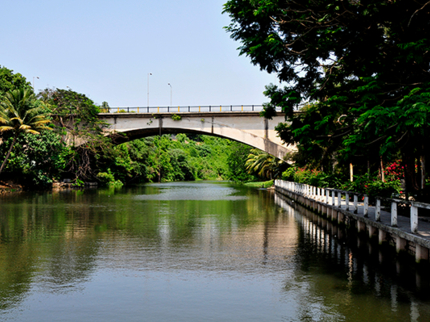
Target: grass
column 261, row 184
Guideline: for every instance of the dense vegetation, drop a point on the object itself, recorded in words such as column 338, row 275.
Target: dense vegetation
column 357, row 80
column 36, row 159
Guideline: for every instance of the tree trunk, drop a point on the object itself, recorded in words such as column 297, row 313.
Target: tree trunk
column 423, row 170
column 8, row 152
column 368, row 169
column 382, row 170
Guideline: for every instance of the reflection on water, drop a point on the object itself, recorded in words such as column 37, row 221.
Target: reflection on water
column 186, row 252
column 360, row 278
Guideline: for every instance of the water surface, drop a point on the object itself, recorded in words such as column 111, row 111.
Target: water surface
column 205, row 251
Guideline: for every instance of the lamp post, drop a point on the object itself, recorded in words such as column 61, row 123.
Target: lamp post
column 33, row 80
column 148, row 87
column 170, row 93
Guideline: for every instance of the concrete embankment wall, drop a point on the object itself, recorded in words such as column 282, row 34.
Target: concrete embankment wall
column 401, row 240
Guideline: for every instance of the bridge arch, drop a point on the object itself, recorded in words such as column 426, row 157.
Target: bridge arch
column 245, row 127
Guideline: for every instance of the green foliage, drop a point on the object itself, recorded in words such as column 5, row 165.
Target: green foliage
column 361, row 184
column 264, row 184
column 236, row 162
column 108, row 179
column 40, row 160
column 20, row 114
column 10, row 81
column 263, row 164
column 176, row 117
column 104, row 108
column 363, row 104
column 167, row 158
column 79, row 183
column 313, row 177
column 373, row 187
column 36, row 159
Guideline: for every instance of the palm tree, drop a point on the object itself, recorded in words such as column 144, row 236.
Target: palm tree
column 19, row 114
column 262, row 163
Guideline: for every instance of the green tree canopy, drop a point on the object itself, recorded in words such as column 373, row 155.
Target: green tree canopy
column 10, row 81
column 21, row 113
column 363, row 65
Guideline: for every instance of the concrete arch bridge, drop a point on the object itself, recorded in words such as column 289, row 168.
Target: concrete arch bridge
column 243, row 126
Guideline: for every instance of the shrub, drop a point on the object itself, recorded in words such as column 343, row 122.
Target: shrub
column 108, row 179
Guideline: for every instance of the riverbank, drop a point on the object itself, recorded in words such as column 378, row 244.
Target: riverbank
column 260, row 184
column 9, row 187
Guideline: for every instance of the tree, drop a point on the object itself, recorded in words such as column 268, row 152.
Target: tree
column 236, row 162
column 363, row 65
column 36, row 160
column 21, row 114
column 10, row 81
column 263, row 164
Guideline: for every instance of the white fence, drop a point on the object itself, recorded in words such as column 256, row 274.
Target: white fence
column 333, row 197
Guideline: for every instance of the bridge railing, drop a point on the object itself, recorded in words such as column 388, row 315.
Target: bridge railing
column 185, row 109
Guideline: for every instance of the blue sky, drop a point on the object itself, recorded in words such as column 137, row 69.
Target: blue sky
column 106, row 49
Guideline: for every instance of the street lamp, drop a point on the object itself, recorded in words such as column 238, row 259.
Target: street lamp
column 170, row 93
column 148, row 87
column 33, row 80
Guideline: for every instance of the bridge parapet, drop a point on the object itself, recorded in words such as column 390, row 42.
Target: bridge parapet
column 189, row 109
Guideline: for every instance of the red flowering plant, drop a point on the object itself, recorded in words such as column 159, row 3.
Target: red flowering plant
column 373, row 187
column 394, row 171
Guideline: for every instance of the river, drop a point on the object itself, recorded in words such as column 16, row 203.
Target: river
column 200, row 251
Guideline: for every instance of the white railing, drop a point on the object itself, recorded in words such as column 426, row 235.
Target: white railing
column 323, row 195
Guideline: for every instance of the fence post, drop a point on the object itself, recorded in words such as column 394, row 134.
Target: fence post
column 366, row 206
column 355, row 204
column 347, row 200
column 333, row 193
column 339, row 202
column 378, row 210
column 326, row 196
column 394, row 214
column 138, row 110
column 414, row 218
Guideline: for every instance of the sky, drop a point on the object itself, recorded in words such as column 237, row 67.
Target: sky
column 105, row 49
